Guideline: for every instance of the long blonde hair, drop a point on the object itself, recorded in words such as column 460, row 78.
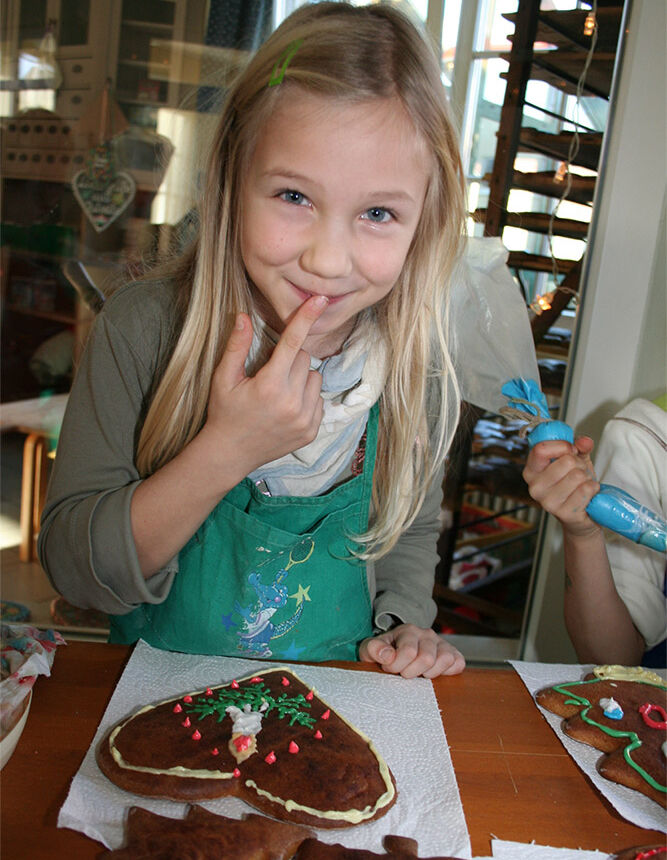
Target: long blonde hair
column 355, row 54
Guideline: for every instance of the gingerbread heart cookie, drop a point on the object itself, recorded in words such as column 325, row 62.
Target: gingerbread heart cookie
column 268, row 739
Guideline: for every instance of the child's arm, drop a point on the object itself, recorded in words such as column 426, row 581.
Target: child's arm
column 86, row 544
column 404, row 579
column 250, row 421
column 560, row 477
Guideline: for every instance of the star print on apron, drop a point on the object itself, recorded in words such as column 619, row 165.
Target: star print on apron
column 269, row 577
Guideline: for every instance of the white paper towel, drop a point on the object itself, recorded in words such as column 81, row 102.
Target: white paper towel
column 632, row 805
column 401, row 717
column 503, row 850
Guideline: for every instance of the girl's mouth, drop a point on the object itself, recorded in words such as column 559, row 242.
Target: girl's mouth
column 305, row 295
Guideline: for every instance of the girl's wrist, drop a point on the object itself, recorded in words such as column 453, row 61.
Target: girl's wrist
column 221, row 460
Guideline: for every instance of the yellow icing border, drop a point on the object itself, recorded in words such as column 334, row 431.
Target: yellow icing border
column 629, row 673
column 354, row 816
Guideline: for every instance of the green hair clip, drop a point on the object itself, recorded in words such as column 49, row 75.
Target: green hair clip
column 283, row 62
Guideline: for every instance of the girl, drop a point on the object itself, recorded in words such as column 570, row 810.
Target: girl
column 252, row 456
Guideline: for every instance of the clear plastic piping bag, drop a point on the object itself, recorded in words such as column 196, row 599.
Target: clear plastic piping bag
column 490, row 336
column 611, row 507
column 494, row 355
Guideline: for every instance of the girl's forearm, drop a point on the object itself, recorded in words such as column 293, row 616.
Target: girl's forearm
column 168, row 507
column 597, row 620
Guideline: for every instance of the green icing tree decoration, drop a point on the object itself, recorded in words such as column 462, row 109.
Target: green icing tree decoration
column 254, row 695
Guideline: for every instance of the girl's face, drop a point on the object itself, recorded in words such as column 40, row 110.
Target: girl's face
column 330, row 204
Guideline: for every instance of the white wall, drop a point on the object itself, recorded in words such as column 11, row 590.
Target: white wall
column 620, row 335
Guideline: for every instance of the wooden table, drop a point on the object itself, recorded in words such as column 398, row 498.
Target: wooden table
column 516, row 780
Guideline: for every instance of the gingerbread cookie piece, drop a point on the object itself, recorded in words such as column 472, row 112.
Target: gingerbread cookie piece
column 624, row 718
column 267, row 739
column 397, row 848
column 206, row 836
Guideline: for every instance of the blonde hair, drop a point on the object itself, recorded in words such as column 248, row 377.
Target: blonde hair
column 356, row 54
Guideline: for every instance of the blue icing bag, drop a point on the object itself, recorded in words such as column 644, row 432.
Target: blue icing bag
column 612, row 507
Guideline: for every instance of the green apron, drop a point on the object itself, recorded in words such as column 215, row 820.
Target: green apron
column 269, row 577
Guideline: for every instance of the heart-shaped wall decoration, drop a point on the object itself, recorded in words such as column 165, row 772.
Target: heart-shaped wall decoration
column 268, row 739
column 103, row 201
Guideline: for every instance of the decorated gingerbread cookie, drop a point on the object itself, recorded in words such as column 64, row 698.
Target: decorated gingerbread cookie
column 642, row 852
column 268, row 739
column 623, row 713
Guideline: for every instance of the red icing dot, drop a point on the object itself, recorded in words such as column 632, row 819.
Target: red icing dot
column 293, row 748
column 256, row 680
column 209, row 691
column 187, row 699
column 215, row 751
column 326, row 714
column 318, row 735
column 236, row 773
column 186, row 723
column 284, row 681
column 309, row 696
column 177, row 709
column 234, row 685
column 270, row 758
column 242, row 742
column 196, row 736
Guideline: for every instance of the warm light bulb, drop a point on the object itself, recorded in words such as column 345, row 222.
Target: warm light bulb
column 589, row 24
column 561, row 173
column 542, row 303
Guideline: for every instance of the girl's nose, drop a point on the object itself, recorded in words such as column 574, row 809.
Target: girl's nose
column 327, row 253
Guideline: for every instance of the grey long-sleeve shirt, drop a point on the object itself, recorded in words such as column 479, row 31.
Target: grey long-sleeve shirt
column 86, row 544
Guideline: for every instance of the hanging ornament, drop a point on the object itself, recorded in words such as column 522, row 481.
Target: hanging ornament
column 102, row 191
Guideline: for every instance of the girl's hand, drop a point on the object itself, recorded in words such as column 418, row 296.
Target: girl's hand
column 412, row 651
column 279, row 410
column 560, row 477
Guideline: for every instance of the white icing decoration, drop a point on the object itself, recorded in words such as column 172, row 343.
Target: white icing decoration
column 664, row 748
column 611, row 708
column 246, row 721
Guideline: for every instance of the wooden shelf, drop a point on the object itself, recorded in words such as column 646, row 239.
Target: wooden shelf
column 538, row 222
column 565, row 29
column 558, row 145
column 537, row 262
column 543, row 182
column 151, row 26
column 562, row 70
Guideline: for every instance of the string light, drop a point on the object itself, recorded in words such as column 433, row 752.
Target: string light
column 589, row 24
column 563, row 173
column 542, row 303
column 545, row 302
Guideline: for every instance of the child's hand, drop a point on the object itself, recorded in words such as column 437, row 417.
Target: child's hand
column 412, row 651
column 560, row 477
column 279, row 410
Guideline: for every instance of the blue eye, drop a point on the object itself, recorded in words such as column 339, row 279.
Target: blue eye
column 378, row 215
column 290, row 196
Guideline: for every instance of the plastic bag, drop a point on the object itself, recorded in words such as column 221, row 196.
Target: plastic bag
column 490, row 335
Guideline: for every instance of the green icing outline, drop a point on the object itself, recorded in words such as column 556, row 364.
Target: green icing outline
column 634, row 744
